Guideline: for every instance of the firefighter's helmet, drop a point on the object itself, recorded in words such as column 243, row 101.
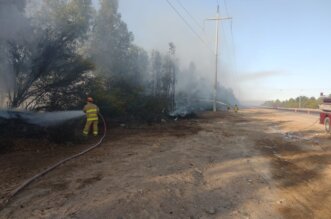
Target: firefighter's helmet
column 90, row 99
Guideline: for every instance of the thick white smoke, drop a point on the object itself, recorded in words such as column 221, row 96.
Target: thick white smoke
column 13, row 26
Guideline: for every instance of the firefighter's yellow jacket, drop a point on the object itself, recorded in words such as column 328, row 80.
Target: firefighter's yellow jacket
column 91, row 111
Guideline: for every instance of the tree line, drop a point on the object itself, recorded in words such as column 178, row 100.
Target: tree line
column 302, row 101
column 59, row 52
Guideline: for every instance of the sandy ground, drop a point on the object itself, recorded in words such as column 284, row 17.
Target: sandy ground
column 254, row 164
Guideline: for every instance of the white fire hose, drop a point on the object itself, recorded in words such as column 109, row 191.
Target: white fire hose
column 30, row 180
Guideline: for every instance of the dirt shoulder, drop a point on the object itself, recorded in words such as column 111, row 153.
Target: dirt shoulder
column 300, row 156
column 255, row 164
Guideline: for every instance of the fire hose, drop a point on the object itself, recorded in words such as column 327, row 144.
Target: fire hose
column 49, row 169
column 308, row 127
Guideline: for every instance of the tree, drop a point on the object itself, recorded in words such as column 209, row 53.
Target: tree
column 137, row 65
column 122, row 65
column 172, row 70
column 156, row 68
column 111, row 42
column 48, row 68
column 306, row 102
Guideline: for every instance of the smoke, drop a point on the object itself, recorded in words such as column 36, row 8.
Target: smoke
column 259, row 75
column 14, row 26
column 195, row 81
column 160, row 26
column 12, row 20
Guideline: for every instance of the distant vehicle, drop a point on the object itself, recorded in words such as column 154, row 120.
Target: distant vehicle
column 325, row 115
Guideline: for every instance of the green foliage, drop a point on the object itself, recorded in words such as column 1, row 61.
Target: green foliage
column 306, row 102
column 127, row 101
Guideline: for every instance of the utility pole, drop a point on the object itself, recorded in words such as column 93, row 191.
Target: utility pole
column 217, row 19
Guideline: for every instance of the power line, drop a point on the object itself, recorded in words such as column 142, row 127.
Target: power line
column 188, row 24
column 194, row 20
column 231, row 33
column 227, row 14
column 226, row 7
column 231, row 24
column 232, row 37
column 232, row 40
column 189, row 14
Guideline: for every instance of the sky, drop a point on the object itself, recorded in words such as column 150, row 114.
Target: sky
column 276, row 49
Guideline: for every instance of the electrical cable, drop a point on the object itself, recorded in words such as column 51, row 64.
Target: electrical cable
column 188, row 24
column 35, row 177
column 232, row 39
column 231, row 35
column 226, row 8
column 189, row 14
column 227, row 14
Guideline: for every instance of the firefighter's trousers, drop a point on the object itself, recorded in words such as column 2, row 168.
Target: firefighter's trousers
column 94, row 124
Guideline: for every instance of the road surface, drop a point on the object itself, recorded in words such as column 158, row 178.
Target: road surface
column 255, row 164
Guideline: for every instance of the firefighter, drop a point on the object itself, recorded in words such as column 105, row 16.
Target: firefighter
column 91, row 110
column 236, row 108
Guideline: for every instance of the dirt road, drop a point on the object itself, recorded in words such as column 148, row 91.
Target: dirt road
column 255, row 164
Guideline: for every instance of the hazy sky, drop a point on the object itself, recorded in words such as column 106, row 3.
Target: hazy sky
column 280, row 48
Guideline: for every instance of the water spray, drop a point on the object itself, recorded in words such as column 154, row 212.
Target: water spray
column 42, row 119
column 35, row 177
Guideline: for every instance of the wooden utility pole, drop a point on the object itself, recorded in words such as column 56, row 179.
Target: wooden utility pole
column 217, row 19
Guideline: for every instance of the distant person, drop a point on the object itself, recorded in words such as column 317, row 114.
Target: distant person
column 91, row 110
column 236, row 108
column 228, row 108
